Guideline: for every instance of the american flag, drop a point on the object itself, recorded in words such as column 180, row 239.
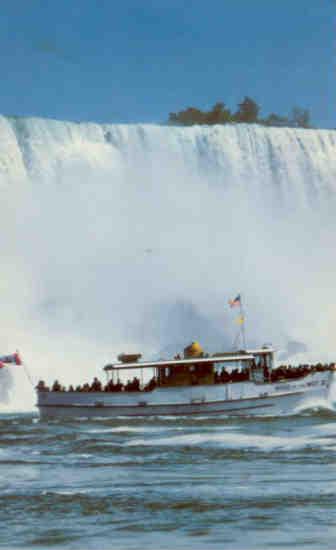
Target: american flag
column 235, row 302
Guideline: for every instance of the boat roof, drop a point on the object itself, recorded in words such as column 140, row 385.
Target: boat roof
column 226, row 357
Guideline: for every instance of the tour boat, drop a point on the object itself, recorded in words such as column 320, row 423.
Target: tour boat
column 229, row 383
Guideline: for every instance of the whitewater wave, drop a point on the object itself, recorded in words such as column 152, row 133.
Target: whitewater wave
column 121, row 430
column 240, row 441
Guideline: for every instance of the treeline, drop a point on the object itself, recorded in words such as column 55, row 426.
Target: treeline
column 247, row 112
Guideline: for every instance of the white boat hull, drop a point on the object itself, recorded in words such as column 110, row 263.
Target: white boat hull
column 243, row 398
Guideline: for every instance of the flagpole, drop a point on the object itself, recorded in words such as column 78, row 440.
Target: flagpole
column 242, row 325
column 25, row 368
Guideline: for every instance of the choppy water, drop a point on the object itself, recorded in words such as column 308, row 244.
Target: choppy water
column 168, row 482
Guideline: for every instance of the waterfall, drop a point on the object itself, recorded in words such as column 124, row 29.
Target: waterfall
column 133, row 237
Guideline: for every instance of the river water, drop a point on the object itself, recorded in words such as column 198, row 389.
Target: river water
column 168, row 482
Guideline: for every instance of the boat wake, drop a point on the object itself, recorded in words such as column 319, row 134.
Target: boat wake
column 313, row 405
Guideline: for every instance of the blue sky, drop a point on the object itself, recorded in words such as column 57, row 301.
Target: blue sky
column 135, row 61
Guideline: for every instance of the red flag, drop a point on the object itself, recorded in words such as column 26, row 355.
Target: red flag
column 13, row 358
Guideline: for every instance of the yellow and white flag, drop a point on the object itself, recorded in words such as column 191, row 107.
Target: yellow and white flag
column 240, row 320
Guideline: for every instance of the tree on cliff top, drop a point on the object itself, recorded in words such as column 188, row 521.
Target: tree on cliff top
column 189, row 116
column 300, row 118
column 248, row 111
column 219, row 114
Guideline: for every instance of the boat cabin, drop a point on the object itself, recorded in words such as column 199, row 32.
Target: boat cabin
column 197, row 368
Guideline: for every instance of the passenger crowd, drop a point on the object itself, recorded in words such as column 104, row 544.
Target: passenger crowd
column 97, row 386
column 283, row 372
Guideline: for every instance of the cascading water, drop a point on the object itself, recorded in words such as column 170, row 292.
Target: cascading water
column 117, row 238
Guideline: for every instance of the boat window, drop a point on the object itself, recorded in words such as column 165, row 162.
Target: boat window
column 264, row 360
column 269, row 360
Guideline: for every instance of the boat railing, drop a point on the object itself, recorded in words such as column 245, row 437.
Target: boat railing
column 279, row 374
